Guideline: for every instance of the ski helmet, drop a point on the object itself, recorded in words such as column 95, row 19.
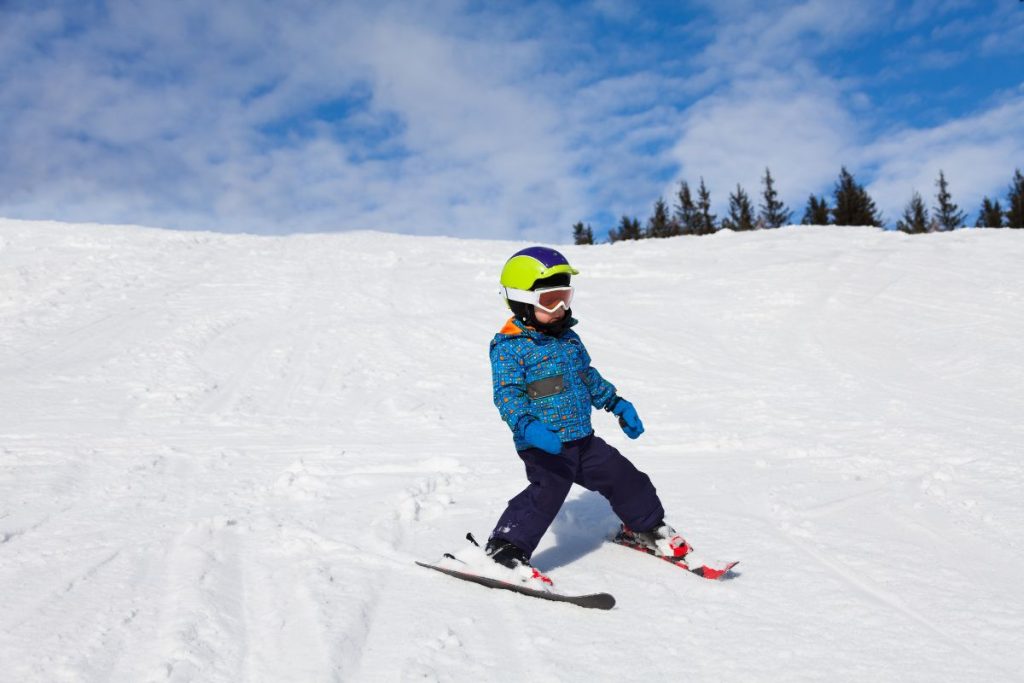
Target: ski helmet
column 527, row 266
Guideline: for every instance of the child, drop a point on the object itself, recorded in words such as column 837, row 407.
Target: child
column 544, row 388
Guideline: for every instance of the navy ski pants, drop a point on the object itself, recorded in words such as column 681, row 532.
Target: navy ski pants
column 594, row 465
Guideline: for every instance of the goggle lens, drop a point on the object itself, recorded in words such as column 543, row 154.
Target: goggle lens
column 550, row 299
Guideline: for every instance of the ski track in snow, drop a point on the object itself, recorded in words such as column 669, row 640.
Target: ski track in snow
column 220, row 455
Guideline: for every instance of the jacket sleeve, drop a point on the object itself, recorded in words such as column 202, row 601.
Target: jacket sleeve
column 601, row 390
column 509, row 385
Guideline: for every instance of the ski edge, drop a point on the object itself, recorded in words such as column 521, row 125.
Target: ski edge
column 601, row 601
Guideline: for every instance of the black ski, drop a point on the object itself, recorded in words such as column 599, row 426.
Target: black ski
column 592, row 601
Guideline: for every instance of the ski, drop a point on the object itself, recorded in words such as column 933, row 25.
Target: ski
column 704, row 571
column 603, row 601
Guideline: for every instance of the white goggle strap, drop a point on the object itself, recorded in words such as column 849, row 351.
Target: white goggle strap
column 521, row 295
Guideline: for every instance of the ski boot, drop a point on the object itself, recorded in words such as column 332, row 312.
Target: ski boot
column 661, row 541
column 512, row 556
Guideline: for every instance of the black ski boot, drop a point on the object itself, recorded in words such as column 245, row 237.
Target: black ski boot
column 509, row 555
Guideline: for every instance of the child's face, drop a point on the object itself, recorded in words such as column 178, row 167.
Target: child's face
column 544, row 317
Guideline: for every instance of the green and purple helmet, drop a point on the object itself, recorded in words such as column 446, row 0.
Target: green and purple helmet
column 532, row 264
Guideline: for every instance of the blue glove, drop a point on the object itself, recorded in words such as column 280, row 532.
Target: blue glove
column 628, row 419
column 541, row 436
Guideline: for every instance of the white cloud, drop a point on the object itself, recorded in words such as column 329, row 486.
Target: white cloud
column 802, row 132
column 769, row 105
column 155, row 114
column 753, row 36
column 978, row 154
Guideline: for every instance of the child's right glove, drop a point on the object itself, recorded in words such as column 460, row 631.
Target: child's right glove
column 541, row 436
column 628, row 419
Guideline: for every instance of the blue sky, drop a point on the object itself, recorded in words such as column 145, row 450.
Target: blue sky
column 493, row 119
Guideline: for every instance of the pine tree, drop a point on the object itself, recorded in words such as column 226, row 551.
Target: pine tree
column 635, row 231
column 629, row 229
column 582, row 234
column 686, row 215
column 660, row 224
column 817, row 211
column 774, row 213
column 991, row 214
column 915, row 217
column 851, row 203
column 707, row 223
column 741, row 212
column 948, row 215
column 1015, row 202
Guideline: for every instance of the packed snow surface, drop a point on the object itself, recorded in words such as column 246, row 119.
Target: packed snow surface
column 221, row 455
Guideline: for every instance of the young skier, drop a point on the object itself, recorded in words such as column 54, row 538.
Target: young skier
column 545, row 388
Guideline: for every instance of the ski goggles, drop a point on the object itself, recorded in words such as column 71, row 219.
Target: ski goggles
column 547, row 299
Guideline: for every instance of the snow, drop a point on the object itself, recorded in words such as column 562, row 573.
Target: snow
column 220, row 456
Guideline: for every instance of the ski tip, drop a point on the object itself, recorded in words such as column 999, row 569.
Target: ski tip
column 714, row 573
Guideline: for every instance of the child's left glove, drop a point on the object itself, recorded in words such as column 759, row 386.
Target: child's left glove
column 628, row 419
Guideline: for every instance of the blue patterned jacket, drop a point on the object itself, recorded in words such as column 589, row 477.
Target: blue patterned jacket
column 539, row 377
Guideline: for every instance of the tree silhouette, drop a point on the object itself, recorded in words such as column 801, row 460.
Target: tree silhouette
column 708, row 221
column 816, row 212
column 915, row 217
column 582, row 234
column 741, row 212
column 851, row 204
column 660, row 224
column 686, row 214
column 629, row 229
column 1015, row 202
column 990, row 215
column 948, row 215
column 774, row 214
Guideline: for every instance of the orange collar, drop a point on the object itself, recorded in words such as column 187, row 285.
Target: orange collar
column 511, row 327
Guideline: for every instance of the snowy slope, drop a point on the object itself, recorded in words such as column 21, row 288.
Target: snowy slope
column 220, row 455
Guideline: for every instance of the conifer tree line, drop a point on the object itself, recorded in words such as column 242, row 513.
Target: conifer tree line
column 690, row 213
